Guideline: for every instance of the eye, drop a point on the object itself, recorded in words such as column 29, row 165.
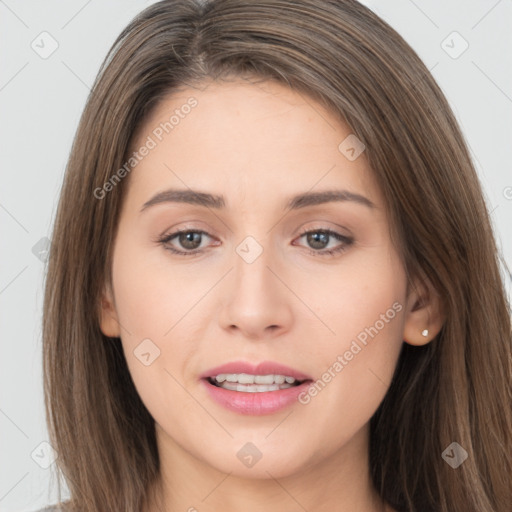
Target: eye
column 189, row 239
column 319, row 239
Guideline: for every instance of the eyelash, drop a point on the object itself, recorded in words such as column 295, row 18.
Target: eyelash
column 347, row 241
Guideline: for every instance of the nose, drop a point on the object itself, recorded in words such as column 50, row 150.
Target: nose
column 257, row 303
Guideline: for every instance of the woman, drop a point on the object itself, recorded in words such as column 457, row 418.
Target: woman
column 273, row 281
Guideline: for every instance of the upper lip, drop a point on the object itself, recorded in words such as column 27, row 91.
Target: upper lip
column 263, row 368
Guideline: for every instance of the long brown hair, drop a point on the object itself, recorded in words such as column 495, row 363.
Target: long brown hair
column 455, row 389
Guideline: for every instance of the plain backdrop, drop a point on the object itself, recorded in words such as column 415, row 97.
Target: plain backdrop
column 41, row 99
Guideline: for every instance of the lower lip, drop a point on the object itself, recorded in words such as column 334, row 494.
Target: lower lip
column 256, row 404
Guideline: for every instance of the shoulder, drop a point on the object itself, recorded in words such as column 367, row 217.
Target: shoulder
column 52, row 508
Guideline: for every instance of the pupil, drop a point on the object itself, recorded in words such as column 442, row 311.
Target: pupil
column 314, row 239
column 187, row 240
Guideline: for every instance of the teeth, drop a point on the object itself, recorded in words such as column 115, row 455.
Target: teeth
column 253, row 388
column 245, row 378
column 264, row 379
column 253, row 383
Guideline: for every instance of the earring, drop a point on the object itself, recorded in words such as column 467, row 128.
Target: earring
column 424, row 332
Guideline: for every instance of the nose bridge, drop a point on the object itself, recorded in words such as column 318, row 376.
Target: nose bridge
column 256, row 300
column 251, row 266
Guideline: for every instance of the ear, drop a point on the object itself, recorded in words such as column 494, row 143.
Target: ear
column 424, row 316
column 109, row 323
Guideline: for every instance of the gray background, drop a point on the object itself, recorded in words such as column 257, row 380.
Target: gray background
column 41, row 100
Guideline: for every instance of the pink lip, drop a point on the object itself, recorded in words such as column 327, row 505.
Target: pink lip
column 256, row 404
column 263, row 368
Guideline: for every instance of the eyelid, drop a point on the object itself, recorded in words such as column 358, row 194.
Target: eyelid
column 325, row 227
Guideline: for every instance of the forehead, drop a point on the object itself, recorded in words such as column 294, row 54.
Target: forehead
column 247, row 138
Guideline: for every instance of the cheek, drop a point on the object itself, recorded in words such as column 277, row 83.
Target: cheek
column 152, row 305
column 364, row 306
column 360, row 298
column 153, row 295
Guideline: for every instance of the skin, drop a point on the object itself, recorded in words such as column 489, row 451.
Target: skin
column 257, row 145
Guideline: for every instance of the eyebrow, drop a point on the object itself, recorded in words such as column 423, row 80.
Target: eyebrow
column 296, row 202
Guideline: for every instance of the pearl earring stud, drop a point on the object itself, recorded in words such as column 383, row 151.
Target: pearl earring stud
column 424, row 332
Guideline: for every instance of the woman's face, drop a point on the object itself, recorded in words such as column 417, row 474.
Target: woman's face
column 263, row 281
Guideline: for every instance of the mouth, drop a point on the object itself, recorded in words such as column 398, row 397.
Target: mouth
column 248, row 383
column 249, row 389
